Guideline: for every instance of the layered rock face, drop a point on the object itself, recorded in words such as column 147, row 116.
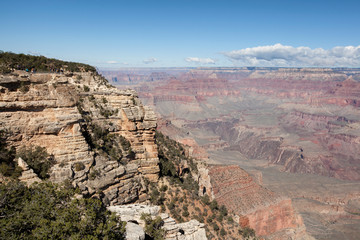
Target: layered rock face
column 189, row 90
column 173, row 231
column 43, row 109
column 137, row 75
column 257, row 207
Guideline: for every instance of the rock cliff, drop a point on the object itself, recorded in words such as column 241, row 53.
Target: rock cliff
column 257, row 207
column 69, row 114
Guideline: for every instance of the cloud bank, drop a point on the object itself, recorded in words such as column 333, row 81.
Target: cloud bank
column 150, row 60
column 200, row 60
column 288, row 56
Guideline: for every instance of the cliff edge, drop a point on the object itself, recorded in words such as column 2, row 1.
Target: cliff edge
column 78, row 117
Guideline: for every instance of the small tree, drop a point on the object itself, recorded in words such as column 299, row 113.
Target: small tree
column 214, row 205
column 8, row 167
column 153, row 227
column 38, row 159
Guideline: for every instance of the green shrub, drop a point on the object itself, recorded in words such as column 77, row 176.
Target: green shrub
column 199, row 218
column 223, row 210
column 125, row 144
column 48, row 211
column 185, row 214
column 211, row 218
column 86, row 88
column 24, row 88
column 79, row 166
column 163, row 188
column 105, row 112
column 8, row 167
column 154, row 195
column 153, row 227
column 93, row 174
column 4, row 70
column 247, row 232
column 171, row 205
column 215, row 226
column 38, row 159
column 91, row 98
column 214, row 205
column 205, row 199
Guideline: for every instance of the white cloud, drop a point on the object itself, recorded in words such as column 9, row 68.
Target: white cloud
column 280, row 55
column 150, row 60
column 200, row 60
column 111, row 62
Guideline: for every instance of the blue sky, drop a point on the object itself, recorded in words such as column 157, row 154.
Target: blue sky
column 177, row 33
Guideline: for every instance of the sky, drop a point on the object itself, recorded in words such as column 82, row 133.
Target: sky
column 183, row 33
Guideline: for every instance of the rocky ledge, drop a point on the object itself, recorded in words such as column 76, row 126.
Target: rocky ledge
column 132, row 213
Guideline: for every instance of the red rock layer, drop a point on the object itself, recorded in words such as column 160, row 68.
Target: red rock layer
column 188, row 90
column 258, row 207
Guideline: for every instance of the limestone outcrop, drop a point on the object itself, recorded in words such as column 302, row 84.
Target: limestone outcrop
column 192, row 230
column 131, row 213
column 27, row 176
column 134, row 231
column 69, row 114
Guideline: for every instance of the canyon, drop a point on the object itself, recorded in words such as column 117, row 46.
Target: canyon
column 295, row 130
column 101, row 140
column 277, row 147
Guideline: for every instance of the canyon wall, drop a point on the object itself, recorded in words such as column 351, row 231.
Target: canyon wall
column 43, row 110
column 257, row 207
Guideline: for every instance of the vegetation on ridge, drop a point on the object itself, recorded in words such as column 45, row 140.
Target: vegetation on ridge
column 11, row 61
